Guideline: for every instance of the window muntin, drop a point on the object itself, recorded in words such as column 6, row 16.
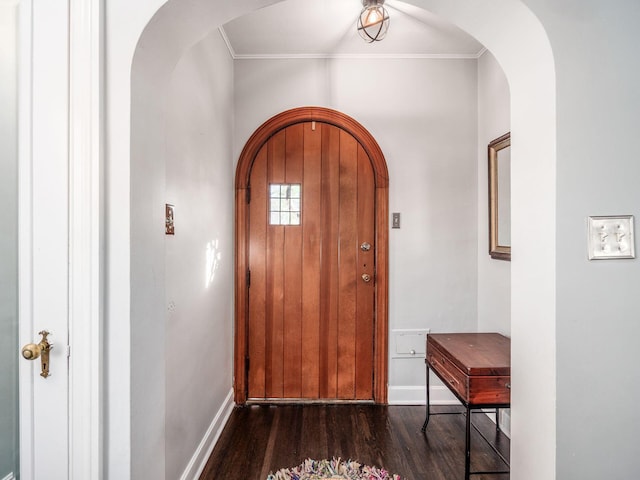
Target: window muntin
column 285, row 203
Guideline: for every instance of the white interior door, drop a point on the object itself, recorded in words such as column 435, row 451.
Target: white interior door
column 43, row 236
column 36, row 85
column 51, row 238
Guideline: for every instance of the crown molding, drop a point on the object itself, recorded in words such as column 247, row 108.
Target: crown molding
column 227, row 42
column 339, row 56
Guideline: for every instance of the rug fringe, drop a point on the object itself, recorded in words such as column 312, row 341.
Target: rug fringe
column 334, row 469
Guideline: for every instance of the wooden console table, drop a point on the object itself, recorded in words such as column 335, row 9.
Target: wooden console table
column 476, row 367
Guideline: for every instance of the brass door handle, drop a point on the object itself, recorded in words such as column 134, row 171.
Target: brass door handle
column 366, row 277
column 31, row 351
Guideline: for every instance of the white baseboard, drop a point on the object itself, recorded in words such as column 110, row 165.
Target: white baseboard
column 505, row 421
column 203, row 452
column 9, row 477
column 416, row 395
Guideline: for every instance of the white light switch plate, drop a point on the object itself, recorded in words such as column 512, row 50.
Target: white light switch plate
column 611, row 237
column 395, row 220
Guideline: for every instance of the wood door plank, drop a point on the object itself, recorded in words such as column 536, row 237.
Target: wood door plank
column 257, row 263
column 274, row 311
column 311, row 243
column 365, row 291
column 329, row 265
column 292, row 343
column 381, row 335
column 348, row 268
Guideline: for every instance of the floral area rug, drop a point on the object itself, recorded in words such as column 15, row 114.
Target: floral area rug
column 334, row 469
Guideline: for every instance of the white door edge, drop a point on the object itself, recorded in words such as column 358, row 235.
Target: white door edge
column 85, row 239
column 25, row 232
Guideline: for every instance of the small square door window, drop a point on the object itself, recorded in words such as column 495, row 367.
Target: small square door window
column 284, row 203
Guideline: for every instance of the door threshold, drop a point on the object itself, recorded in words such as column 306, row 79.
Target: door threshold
column 306, row 401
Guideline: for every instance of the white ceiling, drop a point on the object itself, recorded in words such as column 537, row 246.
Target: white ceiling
column 327, row 28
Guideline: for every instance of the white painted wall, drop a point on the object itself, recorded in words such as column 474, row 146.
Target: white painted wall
column 494, row 276
column 199, row 257
column 183, row 301
column 425, row 121
column 148, row 297
column 8, row 240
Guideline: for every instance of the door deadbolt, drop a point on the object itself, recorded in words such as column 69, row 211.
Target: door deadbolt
column 31, row 351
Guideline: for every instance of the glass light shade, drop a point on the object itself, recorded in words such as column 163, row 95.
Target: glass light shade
column 373, row 21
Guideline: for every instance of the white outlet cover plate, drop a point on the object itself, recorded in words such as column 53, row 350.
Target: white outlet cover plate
column 611, row 237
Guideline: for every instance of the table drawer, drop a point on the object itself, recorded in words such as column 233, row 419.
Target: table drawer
column 448, row 372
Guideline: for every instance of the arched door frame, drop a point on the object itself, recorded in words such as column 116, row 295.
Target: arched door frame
column 381, row 178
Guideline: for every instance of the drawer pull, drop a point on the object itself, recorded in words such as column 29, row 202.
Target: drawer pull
column 508, row 385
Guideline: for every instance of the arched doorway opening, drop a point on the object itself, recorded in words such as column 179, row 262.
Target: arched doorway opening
column 513, row 34
column 380, row 180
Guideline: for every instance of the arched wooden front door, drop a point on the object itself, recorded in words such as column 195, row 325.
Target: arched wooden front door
column 311, row 261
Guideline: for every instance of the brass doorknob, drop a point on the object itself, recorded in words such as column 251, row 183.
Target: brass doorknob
column 31, row 351
column 366, row 277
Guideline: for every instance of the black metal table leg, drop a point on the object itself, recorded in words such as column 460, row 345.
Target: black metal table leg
column 497, row 419
column 467, row 458
column 426, row 420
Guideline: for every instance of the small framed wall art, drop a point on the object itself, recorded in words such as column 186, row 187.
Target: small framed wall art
column 169, row 227
column 611, row 237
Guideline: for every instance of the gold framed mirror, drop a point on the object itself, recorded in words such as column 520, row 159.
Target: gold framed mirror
column 500, row 197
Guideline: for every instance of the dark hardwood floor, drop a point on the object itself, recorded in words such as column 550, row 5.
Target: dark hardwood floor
column 261, row 439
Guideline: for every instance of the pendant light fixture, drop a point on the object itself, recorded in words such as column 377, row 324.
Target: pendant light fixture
column 373, row 21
